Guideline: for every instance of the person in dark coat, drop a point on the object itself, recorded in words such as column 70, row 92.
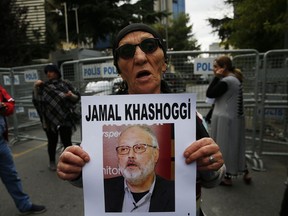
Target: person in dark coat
column 55, row 101
column 141, row 59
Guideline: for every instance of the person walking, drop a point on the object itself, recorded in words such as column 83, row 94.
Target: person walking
column 228, row 120
column 8, row 173
column 55, row 101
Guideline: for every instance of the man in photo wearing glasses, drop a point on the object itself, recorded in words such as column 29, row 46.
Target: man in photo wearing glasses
column 139, row 188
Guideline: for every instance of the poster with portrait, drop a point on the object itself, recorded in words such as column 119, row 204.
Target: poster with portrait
column 115, row 146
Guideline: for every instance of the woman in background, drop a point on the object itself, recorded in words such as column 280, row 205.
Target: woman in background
column 55, row 101
column 228, row 121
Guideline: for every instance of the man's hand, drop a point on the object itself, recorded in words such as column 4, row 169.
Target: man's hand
column 71, row 162
column 207, row 154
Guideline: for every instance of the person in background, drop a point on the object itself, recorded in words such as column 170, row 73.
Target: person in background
column 284, row 204
column 141, row 59
column 55, row 101
column 210, row 112
column 228, row 120
column 8, row 173
column 139, row 188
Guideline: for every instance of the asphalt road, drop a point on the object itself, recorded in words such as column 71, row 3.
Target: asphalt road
column 262, row 198
column 42, row 185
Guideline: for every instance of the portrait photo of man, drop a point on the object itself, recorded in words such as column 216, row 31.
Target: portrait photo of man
column 136, row 186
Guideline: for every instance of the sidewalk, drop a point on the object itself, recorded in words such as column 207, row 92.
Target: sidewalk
column 262, row 198
column 42, row 185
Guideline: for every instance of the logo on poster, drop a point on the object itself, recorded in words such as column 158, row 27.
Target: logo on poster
column 108, row 170
column 111, row 134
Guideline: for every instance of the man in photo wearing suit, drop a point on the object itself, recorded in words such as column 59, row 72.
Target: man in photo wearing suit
column 139, row 188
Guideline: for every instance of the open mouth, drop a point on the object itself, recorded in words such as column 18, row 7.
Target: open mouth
column 143, row 74
column 131, row 164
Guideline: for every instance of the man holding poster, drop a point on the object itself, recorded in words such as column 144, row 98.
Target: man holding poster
column 139, row 188
column 141, row 59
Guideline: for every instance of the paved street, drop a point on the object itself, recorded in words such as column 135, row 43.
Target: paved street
column 262, row 198
column 43, row 186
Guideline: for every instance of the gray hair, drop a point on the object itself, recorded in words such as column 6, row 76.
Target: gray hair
column 147, row 129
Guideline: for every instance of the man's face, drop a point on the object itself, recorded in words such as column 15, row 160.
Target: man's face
column 143, row 72
column 137, row 167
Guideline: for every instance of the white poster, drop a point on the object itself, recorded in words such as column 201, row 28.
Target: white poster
column 172, row 118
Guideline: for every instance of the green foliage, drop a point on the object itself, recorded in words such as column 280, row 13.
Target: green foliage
column 13, row 37
column 180, row 34
column 223, row 28
column 146, row 12
column 180, row 38
column 259, row 25
column 16, row 48
column 99, row 19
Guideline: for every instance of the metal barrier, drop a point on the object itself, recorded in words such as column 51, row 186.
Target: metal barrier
column 265, row 93
column 274, row 103
column 19, row 83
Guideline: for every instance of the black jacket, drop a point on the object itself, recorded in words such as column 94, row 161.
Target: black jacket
column 162, row 199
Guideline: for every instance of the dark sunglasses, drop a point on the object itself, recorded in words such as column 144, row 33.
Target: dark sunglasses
column 148, row 46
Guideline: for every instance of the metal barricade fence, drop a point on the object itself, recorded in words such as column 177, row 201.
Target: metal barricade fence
column 273, row 111
column 5, row 81
column 19, row 83
column 180, row 63
column 86, row 75
column 248, row 61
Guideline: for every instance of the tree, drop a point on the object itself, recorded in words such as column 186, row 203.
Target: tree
column 180, row 38
column 13, row 39
column 146, row 13
column 16, row 48
column 222, row 27
column 180, row 34
column 97, row 20
column 100, row 19
column 259, row 25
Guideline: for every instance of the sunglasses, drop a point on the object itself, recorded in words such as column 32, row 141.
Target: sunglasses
column 148, row 46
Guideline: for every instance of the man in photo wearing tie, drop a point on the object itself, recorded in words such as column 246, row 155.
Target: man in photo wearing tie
column 139, row 188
